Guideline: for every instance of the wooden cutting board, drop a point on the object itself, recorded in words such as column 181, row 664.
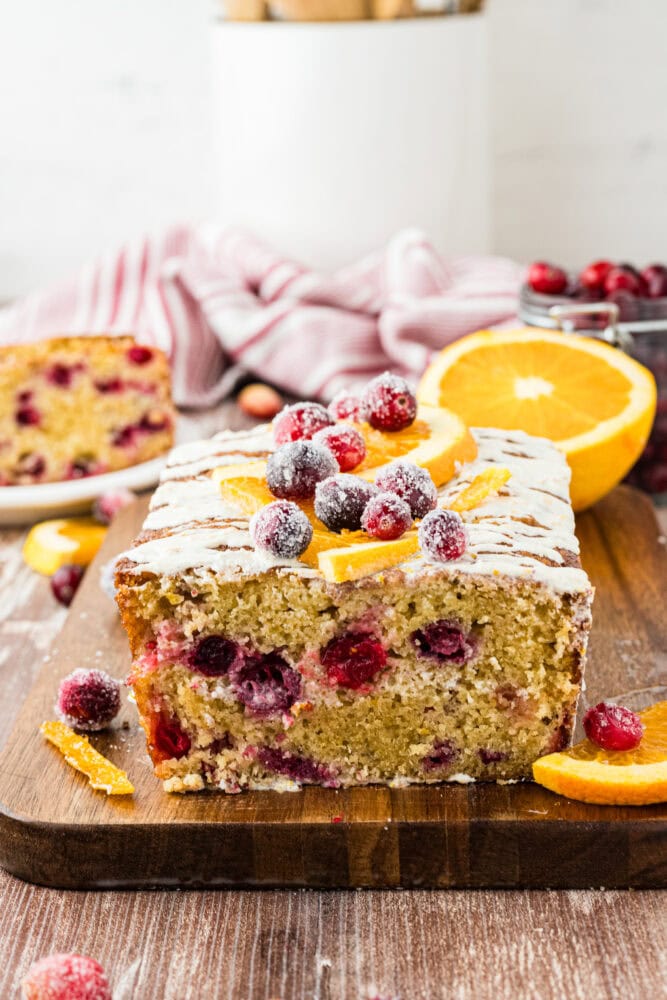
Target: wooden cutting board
column 56, row 831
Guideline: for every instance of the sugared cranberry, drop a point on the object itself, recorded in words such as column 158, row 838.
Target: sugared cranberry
column 88, row 699
column 546, row 279
column 594, row 276
column 259, row 400
column 488, row 756
column 411, row 483
column 295, row 469
column 266, row 685
column 109, row 385
column 655, row 278
column 340, row 501
column 301, row 769
column 139, row 355
column 282, row 529
column 214, row 655
column 389, row 402
column 442, row 535
column 623, row 279
column 386, row 517
column 444, row 641
column 170, row 739
column 613, row 727
column 28, row 416
column 66, row 977
column 108, row 505
column 65, row 582
column 443, row 754
column 300, row 422
column 344, row 406
column 353, row 660
column 345, row 443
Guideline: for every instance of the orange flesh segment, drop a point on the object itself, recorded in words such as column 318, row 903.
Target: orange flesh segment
column 611, row 777
column 482, row 486
column 78, row 752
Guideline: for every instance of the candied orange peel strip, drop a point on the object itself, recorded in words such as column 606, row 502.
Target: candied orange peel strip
column 482, row 486
column 78, row 752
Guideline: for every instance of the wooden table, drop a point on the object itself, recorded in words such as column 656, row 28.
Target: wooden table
column 286, row 945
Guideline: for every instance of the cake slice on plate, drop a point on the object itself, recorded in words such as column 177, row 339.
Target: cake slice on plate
column 79, row 406
column 451, row 657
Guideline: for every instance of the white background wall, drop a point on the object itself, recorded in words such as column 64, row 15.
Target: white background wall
column 104, row 128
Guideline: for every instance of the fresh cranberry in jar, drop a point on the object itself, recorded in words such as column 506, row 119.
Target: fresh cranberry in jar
column 594, row 276
column 655, row 276
column 546, row 279
column 623, row 279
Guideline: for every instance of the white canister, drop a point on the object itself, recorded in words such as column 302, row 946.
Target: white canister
column 331, row 137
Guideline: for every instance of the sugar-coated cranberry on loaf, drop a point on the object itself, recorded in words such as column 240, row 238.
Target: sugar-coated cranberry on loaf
column 79, row 406
column 251, row 669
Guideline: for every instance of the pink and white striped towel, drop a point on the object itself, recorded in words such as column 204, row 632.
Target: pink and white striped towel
column 220, row 303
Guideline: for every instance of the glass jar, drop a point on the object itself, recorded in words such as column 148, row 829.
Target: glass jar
column 637, row 326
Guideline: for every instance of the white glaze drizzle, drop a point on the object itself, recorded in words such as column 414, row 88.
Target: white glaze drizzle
column 498, row 543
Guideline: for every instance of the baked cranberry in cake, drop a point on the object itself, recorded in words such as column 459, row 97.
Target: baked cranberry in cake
column 300, row 769
column 353, row 660
column 444, row 641
column 28, row 416
column 170, row 739
column 139, row 355
column 266, row 685
column 443, row 755
column 214, row 655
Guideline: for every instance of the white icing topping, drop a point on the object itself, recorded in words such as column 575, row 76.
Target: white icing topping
column 499, row 542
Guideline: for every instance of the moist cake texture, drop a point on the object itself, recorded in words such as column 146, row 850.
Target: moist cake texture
column 255, row 672
column 79, row 406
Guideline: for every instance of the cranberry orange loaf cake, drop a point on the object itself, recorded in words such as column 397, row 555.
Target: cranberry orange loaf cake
column 79, row 406
column 459, row 659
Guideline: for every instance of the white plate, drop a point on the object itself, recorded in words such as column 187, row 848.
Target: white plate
column 27, row 504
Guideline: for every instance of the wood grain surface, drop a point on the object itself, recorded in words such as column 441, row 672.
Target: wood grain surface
column 55, row 831
column 291, row 945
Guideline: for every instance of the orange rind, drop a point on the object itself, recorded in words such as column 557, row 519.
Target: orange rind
column 79, row 754
column 52, row 544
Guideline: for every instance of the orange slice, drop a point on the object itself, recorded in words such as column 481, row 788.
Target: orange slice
column 52, row 544
column 595, row 402
column 78, row 752
column 338, row 565
column 484, row 485
column 612, row 777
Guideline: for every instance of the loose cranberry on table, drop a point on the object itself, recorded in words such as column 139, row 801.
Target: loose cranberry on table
column 295, row 469
column 88, row 699
column 442, row 535
column 345, row 406
column 108, row 505
column 546, row 279
column 341, row 500
column 411, row 483
column 389, row 403
column 65, row 583
column 594, row 276
column 386, row 517
column 66, row 977
column 300, row 422
column 353, row 660
column 613, row 727
column 281, row 529
column 345, row 443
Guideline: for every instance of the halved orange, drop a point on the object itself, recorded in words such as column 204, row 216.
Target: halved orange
column 52, row 544
column 612, row 777
column 593, row 401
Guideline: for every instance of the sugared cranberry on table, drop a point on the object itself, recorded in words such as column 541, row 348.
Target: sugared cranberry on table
column 594, row 275
column 88, row 699
column 295, row 469
column 345, row 443
column 442, row 535
column 386, row 517
column 300, row 422
column 353, row 660
column 282, row 529
column 66, row 977
column 613, row 727
column 411, row 483
column 345, row 406
column 214, row 655
column 546, row 279
column 65, row 583
column 108, row 505
column 340, row 501
column 389, row 403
